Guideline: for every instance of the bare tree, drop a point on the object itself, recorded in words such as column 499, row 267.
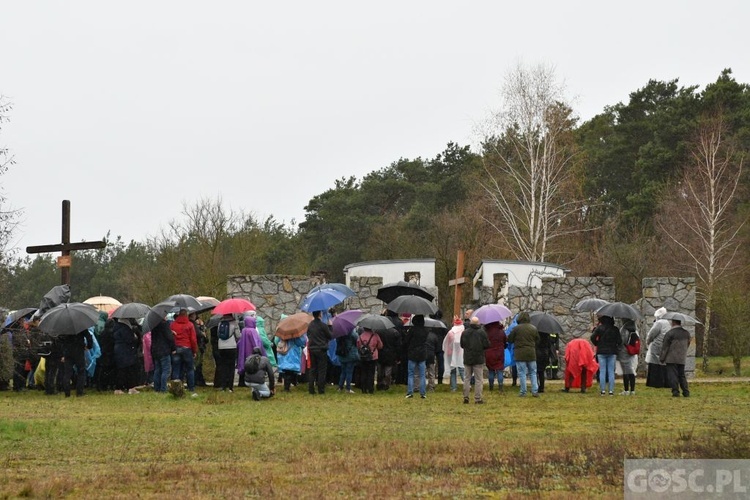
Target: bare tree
column 529, row 153
column 700, row 220
column 8, row 215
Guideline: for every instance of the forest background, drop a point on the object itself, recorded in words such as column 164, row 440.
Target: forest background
column 655, row 186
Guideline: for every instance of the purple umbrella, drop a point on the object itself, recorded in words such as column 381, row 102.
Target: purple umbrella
column 345, row 322
column 492, row 313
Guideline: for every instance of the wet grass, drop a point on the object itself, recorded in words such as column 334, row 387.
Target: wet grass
column 226, row 445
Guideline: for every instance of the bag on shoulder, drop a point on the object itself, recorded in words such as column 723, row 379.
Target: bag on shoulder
column 224, row 330
column 252, row 364
column 365, row 352
column 282, row 347
column 634, row 344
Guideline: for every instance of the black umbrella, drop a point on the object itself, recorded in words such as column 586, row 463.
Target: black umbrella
column 412, row 304
column 545, row 322
column 133, row 310
column 590, row 305
column 21, row 313
column 375, row 322
column 619, row 310
column 431, row 323
column 388, row 292
column 156, row 315
column 183, row 301
column 68, row 319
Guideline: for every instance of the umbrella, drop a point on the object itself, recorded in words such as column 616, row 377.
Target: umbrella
column 21, row 313
column 619, row 310
column 208, row 303
column 388, row 292
column 157, row 314
column 339, row 287
column 59, row 294
column 345, row 322
column 233, row 306
column 590, row 305
column 183, row 301
column 375, row 322
column 322, row 300
column 103, row 303
column 412, row 304
column 430, row 323
column 293, row 326
column 682, row 318
column 545, row 322
column 213, row 321
column 492, row 313
column 68, row 319
column 132, row 310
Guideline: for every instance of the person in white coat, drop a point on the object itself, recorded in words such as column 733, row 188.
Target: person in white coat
column 656, row 375
column 453, row 353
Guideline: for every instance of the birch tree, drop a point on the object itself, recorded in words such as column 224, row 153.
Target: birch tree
column 700, row 220
column 529, row 153
column 8, row 215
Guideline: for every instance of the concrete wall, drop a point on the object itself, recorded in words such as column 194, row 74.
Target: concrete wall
column 391, row 271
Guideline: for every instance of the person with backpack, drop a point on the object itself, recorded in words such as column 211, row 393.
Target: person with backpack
column 289, row 358
column 628, row 356
column 258, row 374
column 228, row 333
column 368, row 347
column 607, row 340
column 348, row 355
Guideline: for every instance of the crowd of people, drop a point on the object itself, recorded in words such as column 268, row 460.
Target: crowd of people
column 116, row 356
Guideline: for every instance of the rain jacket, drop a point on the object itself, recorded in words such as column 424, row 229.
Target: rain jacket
column 249, row 340
column 184, row 333
column 474, row 342
column 292, row 360
column 148, row 361
column 525, row 337
column 452, row 350
column 579, row 354
column 494, row 356
column 628, row 361
column 654, row 339
column 264, row 370
column 126, row 345
column 92, row 354
column 372, row 339
column 260, row 325
column 352, row 354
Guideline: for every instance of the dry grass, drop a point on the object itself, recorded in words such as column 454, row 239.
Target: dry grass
column 226, row 445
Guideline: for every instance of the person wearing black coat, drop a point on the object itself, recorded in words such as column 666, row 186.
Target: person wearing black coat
column 388, row 356
column 73, row 350
column 416, row 353
column 318, row 336
column 52, row 353
column 607, row 339
column 105, row 365
column 127, row 341
column 162, row 348
column 542, row 357
column 432, row 345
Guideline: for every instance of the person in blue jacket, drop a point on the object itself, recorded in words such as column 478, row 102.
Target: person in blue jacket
column 289, row 359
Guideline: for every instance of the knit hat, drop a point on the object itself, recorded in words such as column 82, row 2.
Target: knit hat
column 458, row 321
column 660, row 312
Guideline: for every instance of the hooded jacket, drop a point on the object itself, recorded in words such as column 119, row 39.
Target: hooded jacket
column 474, row 342
column 579, row 355
column 452, row 350
column 525, row 337
column 416, row 339
column 184, row 333
column 606, row 337
column 655, row 339
column 260, row 325
column 292, row 360
column 264, row 370
column 162, row 341
column 494, row 356
column 126, row 345
column 249, row 340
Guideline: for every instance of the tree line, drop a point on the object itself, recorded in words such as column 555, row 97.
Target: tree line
column 655, row 186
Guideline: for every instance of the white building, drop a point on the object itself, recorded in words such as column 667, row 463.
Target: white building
column 500, row 274
column 419, row 271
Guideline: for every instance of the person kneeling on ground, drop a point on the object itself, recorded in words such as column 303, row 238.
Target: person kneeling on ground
column 257, row 368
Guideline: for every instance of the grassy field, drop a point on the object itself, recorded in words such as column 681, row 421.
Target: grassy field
column 226, row 445
column 721, row 366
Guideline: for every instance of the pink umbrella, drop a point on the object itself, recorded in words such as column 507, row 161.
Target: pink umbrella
column 233, row 306
column 492, row 313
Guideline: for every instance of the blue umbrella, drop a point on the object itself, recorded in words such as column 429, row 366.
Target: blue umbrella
column 322, row 300
column 339, row 287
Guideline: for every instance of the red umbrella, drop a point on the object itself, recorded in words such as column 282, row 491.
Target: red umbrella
column 233, row 306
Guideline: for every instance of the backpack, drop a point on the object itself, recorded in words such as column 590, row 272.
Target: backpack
column 252, row 365
column 343, row 344
column 634, row 344
column 282, row 347
column 224, row 330
column 365, row 352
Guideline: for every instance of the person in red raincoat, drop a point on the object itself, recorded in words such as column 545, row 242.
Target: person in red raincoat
column 580, row 365
column 494, row 357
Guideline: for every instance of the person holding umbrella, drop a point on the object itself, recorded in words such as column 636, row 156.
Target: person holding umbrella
column 289, row 357
column 525, row 337
column 73, row 350
column 126, row 343
column 607, row 339
column 416, row 339
column 474, row 342
column 674, row 354
column 318, row 336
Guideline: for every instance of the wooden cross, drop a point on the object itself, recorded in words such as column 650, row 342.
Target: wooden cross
column 64, row 261
column 460, row 280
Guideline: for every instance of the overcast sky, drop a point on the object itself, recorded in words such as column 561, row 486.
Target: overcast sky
column 132, row 109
